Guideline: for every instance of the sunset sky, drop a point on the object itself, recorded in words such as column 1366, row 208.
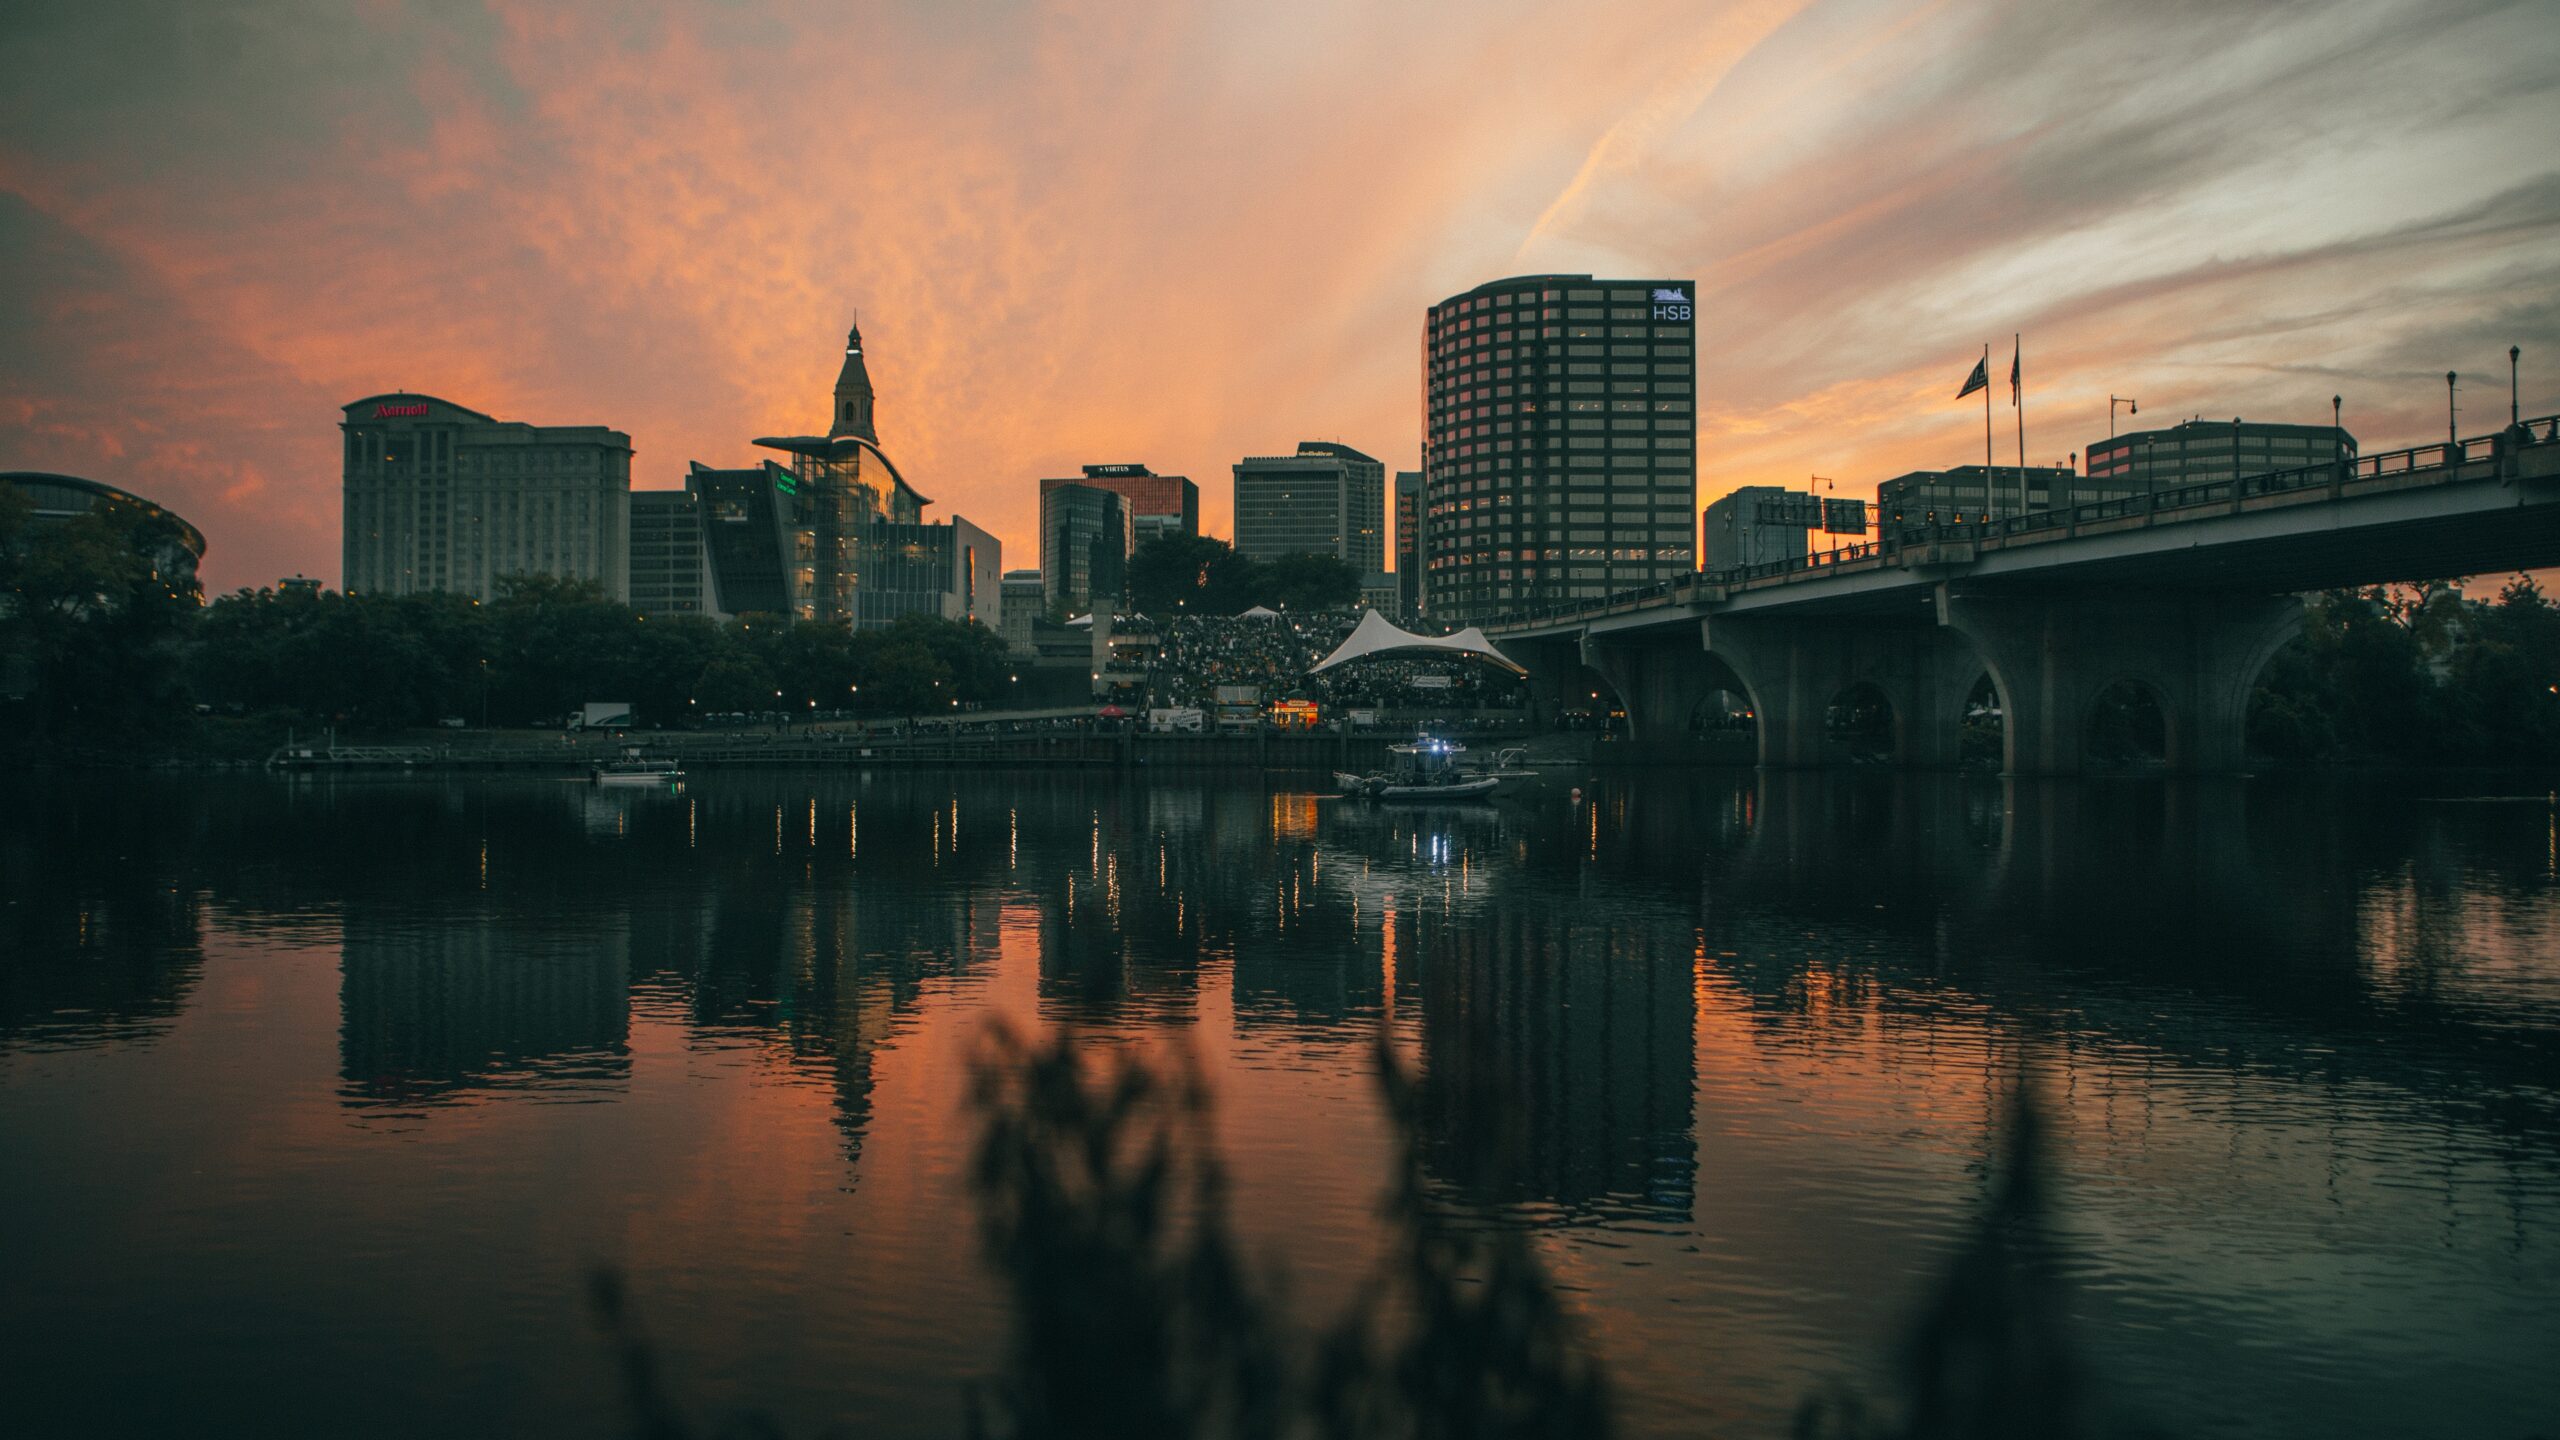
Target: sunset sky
column 1185, row 233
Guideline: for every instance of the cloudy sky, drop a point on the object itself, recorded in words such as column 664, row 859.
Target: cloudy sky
column 1186, row 232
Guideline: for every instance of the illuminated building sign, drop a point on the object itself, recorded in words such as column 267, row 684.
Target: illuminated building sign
column 1670, row 302
column 387, row 411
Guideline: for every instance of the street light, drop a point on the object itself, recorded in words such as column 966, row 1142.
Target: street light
column 2515, row 412
column 2132, row 407
column 2452, row 427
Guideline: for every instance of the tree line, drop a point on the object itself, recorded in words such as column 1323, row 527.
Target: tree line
column 1202, row 575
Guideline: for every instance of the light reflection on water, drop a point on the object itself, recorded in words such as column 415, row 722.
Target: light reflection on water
column 335, row 1090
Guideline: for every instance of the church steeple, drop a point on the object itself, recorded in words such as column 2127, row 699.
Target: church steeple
column 853, row 393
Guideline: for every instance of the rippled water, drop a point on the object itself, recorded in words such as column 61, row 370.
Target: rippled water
column 317, row 1101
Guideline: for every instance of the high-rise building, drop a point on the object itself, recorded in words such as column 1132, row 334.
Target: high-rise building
column 838, row 535
column 1158, row 504
column 2201, row 451
column 439, row 497
column 1327, row 499
column 1085, row 539
column 1750, row 526
column 1560, row 444
column 1409, row 493
column 666, row 554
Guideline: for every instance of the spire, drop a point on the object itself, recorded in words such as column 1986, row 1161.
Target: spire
column 852, row 414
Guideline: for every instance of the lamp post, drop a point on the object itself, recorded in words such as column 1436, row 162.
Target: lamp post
column 2452, row 429
column 2515, row 412
column 2132, row 407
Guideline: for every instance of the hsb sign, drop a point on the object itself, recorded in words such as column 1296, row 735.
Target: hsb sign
column 1670, row 303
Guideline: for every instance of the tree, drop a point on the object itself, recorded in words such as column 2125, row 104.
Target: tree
column 94, row 607
column 1193, row 574
column 1307, row 582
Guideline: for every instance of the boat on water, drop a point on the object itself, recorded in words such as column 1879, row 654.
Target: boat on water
column 1427, row 769
column 634, row 769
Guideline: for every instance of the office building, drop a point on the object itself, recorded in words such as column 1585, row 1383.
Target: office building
column 1158, row 504
column 1559, row 444
column 1755, row 525
column 1023, row 602
column 837, row 534
column 1968, row 493
column 666, row 554
column 1408, row 544
column 439, row 497
column 1085, row 539
column 2201, row 451
column 1327, row 499
column 951, row 569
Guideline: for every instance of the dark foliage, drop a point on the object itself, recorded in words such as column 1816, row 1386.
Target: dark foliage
column 2416, row 676
column 1198, row 575
column 91, row 610
column 546, row 646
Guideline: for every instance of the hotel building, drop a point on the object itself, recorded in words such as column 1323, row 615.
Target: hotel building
column 439, row 497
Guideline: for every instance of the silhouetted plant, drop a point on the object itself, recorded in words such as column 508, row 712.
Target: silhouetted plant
column 1103, row 1205
column 1461, row 1334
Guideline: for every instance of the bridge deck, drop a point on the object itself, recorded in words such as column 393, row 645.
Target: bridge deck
column 2482, row 506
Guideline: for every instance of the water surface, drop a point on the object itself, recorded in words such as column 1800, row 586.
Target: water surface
column 319, row 1100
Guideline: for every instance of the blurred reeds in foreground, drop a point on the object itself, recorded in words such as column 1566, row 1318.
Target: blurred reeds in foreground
column 1103, row 1211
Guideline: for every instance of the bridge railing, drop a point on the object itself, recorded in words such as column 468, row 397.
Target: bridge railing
column 2211, row 497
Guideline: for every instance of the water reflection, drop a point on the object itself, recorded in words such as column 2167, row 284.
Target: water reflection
column 2310, row 1029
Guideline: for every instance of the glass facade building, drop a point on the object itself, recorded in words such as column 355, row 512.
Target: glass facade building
column 1559, row 442
column 837, row 535
column 1085, row 538
column 1158, row 504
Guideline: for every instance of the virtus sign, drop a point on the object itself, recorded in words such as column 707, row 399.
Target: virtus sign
column 387, row 412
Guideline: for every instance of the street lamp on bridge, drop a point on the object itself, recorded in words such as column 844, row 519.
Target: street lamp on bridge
column 2132, row 408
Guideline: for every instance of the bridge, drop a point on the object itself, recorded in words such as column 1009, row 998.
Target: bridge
column 2185, row 593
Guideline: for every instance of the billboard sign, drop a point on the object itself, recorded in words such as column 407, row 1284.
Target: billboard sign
column 1844, row 517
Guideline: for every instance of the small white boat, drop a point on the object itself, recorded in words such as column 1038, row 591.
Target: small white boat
column 631, row 769
column 1427, row 769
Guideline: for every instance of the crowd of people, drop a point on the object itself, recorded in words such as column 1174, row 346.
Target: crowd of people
column 1188, row 657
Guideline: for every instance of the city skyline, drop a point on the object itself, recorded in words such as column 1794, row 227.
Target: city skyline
column 224, row 228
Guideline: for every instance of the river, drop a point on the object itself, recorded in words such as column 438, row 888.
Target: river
column 319, row 1100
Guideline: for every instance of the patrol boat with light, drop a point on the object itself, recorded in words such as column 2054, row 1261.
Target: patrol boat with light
column 1426, row 769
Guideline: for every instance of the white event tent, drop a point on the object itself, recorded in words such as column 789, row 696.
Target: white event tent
column 1377, row 635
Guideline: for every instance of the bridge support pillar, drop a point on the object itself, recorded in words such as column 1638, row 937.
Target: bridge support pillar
column 1550, row 665
column 1660, row 681
column 1794, row 670
column 2053, row 655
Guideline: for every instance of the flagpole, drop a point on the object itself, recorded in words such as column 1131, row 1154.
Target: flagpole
column 2018, row 396
column 1986, row 420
